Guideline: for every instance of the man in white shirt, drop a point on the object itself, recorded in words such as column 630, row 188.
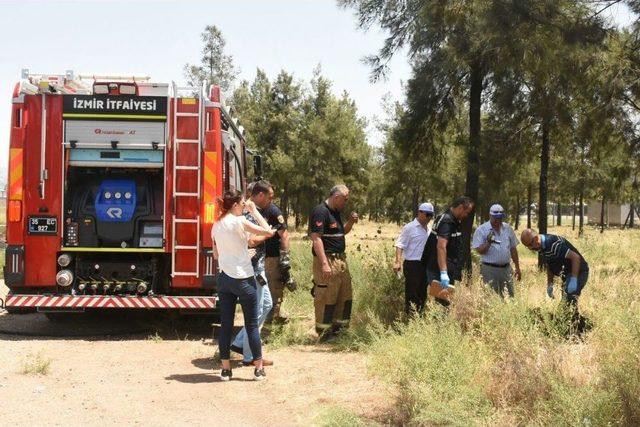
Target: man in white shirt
column 496, row 243
column 411, row 244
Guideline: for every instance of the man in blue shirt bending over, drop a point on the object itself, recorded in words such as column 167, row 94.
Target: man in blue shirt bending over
column 562, row 259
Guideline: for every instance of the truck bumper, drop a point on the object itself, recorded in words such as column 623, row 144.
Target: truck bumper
column 53, row 302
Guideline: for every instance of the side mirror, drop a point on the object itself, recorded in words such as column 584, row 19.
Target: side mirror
column 257, row 167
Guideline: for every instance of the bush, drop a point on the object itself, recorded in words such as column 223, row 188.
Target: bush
column 377, row 289
column 437, row 370
column 490, row 361
column 616, row 341
column 378, row 298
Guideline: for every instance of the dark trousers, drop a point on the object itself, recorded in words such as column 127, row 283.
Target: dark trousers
column 230, row 291
column 577, row 321
column 415, row 285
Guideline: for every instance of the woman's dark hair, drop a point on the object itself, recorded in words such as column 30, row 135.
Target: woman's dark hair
column 228, row 199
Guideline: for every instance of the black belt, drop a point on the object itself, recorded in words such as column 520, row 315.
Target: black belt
column 496, row 265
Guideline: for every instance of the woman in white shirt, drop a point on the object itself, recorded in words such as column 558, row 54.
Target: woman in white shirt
column 236, row 281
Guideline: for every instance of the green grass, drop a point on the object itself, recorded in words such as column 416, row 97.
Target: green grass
column 486, row 361
column 336, row 416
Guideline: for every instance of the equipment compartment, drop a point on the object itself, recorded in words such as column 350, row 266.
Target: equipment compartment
column 123, row 210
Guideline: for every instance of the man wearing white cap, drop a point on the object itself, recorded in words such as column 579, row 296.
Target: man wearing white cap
column 496, row 243
column 411, row 244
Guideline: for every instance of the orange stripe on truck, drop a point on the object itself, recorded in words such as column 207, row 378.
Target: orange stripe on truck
column 209, row 187
column 15, row 173
column 210, row 161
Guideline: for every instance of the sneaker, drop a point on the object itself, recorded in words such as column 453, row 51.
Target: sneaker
column 259, row 374
column 226, row 374
column 236, row 349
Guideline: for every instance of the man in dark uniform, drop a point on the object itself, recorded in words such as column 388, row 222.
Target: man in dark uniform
column 333, row 295
column 278, row 260
column 448, row 253
column 564, row 260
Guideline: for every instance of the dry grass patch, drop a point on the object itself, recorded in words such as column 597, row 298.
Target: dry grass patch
column 36, row 364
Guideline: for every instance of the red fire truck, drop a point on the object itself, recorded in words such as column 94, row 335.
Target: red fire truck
column 111, row 192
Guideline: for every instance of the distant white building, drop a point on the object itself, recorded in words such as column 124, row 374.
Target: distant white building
column 614, row 214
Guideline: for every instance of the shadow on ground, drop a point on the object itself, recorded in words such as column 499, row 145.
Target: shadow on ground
column 200, row 378
column 106, row 325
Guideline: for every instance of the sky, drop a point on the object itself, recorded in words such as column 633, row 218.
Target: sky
column 156, row 38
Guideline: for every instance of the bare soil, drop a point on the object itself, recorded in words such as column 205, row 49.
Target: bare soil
column 169, row 378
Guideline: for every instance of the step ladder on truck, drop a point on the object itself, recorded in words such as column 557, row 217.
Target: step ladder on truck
column 113, row 182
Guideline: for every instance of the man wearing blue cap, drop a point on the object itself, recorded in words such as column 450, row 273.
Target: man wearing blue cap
column 564, row 260
column 411, row 244
column 496, row 243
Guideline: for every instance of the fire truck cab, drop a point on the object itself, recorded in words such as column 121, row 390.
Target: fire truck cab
column 112, row 192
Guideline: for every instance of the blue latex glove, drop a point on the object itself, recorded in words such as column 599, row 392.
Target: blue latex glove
column 572, row 285
column 550, row 290
column 444, row 280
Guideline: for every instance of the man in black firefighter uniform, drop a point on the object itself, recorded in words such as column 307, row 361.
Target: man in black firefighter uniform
column 445, row 264
column 277, row 261
column 333, row 295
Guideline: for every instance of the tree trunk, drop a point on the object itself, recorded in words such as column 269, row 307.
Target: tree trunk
column 473, row 160
column 573, row 219
column 517, row 222
column 414, row 200
column 602, row 206
column 544, row 172
column 559, row 214
column 529, row 201
column 626, row 221
column 581, row 227
column 632, row 212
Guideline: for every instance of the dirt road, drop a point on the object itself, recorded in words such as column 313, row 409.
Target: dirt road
column 151, row 380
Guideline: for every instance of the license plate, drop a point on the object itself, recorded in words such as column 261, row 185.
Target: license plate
column 43, row 225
